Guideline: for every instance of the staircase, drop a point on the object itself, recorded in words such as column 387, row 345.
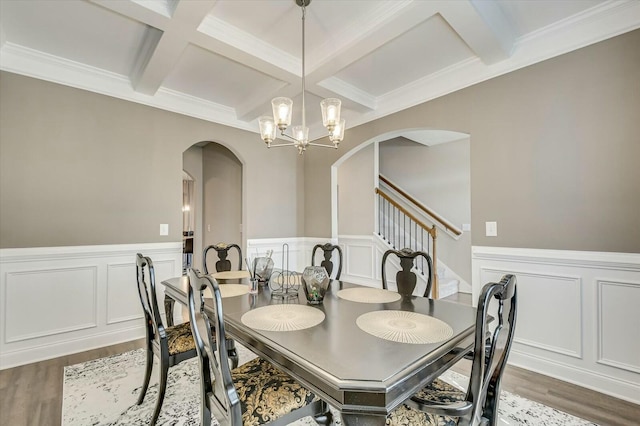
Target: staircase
column 402, row 223
column 448, row 284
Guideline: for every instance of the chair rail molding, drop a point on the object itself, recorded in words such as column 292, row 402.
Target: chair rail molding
column 588, row 299
column 87, row 297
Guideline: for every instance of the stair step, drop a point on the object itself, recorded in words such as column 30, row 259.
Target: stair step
column 447, row 287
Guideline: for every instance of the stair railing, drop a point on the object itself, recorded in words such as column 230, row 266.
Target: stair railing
column 400, row 228
column 448, row 226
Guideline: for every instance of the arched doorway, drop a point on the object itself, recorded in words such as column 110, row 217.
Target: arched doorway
column 217, row 207
column 433, row 166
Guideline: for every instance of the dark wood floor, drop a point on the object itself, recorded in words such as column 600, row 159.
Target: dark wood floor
column 32, row 394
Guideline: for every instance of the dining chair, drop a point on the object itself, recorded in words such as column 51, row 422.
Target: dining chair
column 256, row 393
column 327, row 250
column 172, row 344
column 479, row 404
column 222, row 264
column 406, row 280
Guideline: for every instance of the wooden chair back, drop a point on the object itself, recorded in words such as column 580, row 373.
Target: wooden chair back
column 222, row 264
column 145, row 275
column 495, row 328
column 327, row 263
column 215, row 372
column 406, row 280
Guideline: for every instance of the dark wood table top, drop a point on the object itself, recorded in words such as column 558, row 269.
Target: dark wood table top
column 362, row 375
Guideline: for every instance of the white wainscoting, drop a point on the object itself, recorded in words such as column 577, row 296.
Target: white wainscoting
column 362, row 257
column 288, row 253
column 363, row 260
column 578, row 317
column 61, row 300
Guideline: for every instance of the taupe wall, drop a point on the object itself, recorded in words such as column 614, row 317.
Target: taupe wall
column 356, row 203
column 79, row 168
column 444, row 170
column 554, row 151
column 222, row 217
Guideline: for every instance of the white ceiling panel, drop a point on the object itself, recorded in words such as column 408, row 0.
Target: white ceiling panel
column 74, row 30
column 280, row 22
column 206, row 75
column 419, row 52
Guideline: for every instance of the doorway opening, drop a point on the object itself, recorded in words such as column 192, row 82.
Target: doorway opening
column 216, row 207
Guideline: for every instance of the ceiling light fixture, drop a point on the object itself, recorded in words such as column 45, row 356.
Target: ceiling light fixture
column 282, row 111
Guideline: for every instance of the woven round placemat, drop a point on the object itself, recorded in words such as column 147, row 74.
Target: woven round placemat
column 369, row 295
column 228, row 290
column 286, row 317
column 231, row 290
column 404, row 327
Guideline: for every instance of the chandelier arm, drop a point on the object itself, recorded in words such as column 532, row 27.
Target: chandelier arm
column 272, row 145
column 282, row 133
column 323, row 145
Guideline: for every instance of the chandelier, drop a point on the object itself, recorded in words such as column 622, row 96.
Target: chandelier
column 282, row 111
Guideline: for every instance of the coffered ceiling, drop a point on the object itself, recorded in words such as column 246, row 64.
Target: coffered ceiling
column 223, row 60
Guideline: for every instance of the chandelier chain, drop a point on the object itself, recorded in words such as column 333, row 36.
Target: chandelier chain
column 304, row 115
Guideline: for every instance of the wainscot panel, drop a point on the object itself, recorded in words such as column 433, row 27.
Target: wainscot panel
column 291, row 254
column 578, row 316
column 61, row 300
column 618, row 310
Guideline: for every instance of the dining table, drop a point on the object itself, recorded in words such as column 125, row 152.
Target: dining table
column 363, row 350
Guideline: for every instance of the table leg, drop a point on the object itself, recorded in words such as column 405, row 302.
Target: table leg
column 363, row 420
column 168, row 309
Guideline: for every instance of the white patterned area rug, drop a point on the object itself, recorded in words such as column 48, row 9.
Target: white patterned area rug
column 105, row 391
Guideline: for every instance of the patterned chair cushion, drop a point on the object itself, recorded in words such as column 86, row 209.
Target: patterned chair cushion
column 179, row 338
column 437, row 391
column 267, row 393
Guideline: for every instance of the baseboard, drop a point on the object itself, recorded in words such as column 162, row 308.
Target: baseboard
column 621, row 389
column 68, row 347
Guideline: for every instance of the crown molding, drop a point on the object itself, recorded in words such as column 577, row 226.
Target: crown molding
column 32, row 63
column 596, row 24
column 593, row 25
column 348, row 91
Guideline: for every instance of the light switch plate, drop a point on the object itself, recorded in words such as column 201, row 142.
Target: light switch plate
column 164, row 229
column 491, row 229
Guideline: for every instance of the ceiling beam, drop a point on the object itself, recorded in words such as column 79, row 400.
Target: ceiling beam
column 157, row 58
column 361, row 40
column 169, row 33
column 163, row 52
column 136, row 11
column 483, row 27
